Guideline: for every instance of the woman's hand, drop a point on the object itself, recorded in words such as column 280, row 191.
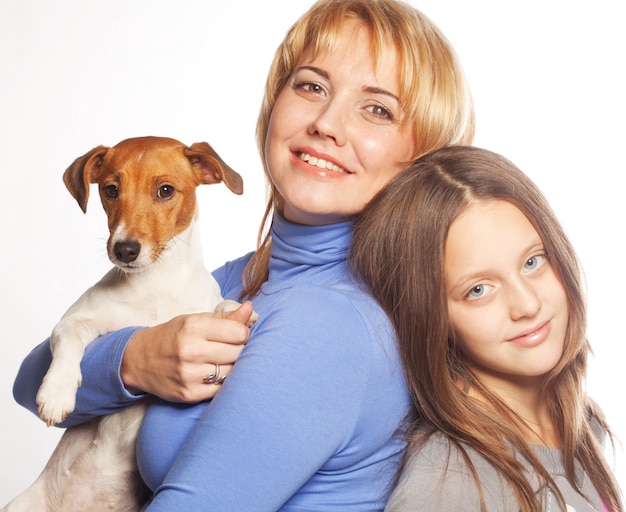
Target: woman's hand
column 171, row 360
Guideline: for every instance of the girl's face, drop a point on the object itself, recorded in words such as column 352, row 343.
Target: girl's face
column 336, row 133
column 506, row 305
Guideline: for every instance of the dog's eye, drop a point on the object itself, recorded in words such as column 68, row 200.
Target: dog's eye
column 165, row 191
column 111, row 191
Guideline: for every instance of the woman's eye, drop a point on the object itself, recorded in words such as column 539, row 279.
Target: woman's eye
column 310, row 87
column 380, row 111
column 316, row 88
column 165, row 191
column 535, row 262
column 111, row 191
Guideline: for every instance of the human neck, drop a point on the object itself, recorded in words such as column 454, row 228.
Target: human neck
column 541, row 433
column 526, row 401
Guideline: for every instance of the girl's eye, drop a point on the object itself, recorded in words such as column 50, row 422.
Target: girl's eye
column 478, row 291
column 535, row 262
column 165, row 191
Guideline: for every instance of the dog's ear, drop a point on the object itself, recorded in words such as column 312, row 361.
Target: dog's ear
column 81, row 173
column 212, row 167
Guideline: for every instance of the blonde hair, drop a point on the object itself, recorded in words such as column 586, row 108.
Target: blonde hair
column 399, row 249
column 433, row 90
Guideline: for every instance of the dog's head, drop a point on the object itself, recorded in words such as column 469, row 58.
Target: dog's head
column 147, row 188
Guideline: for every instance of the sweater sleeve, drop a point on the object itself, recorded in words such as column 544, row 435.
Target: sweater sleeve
column 102, row 390
column 228, row 276
column 289, row 405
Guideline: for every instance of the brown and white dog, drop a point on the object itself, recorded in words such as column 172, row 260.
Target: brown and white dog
column 147, row 188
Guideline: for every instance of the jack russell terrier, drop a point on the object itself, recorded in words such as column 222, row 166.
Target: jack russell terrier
column 147, row 188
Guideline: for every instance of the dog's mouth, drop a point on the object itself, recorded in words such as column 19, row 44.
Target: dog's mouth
column 129, row 256
column 129, row 268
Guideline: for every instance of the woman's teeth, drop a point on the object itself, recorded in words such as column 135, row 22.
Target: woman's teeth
column 320, row 162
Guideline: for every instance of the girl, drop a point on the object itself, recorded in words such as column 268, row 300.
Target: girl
column 307, row 418
column 484, row 291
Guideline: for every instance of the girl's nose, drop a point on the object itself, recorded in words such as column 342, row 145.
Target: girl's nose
column 524, row 301
column 330, row 121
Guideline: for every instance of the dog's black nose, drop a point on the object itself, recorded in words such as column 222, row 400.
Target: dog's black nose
column 126, row 252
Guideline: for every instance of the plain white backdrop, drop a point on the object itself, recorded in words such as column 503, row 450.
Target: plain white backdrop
column 548, row 84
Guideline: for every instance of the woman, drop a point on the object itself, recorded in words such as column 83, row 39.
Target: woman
column 307, row 418
column 485, row 293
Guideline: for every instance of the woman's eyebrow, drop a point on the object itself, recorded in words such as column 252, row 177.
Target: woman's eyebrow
column 378, row 90
column 319, row 71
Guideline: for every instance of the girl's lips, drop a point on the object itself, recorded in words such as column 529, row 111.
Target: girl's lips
column 532, row 337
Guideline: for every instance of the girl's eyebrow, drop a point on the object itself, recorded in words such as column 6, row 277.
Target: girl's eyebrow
column 464, row 281
column 371, row 89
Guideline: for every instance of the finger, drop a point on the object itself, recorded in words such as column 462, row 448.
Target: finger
column 221, row 353
column 215, row 374
column 211, row 383
column 213, row 327
column 200, row 384
column 242, row 314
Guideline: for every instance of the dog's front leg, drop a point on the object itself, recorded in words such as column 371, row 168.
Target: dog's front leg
column 56, row 397
column 33, row 499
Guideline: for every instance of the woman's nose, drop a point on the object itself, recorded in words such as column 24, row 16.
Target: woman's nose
column 524, row 300
column 330, row 121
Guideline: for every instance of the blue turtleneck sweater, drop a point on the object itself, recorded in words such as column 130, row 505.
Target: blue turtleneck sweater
column 308, row 418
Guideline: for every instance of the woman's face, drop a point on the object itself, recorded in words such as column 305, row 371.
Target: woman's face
column 507, row 307
column 336, row 134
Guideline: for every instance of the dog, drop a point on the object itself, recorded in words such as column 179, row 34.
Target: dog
column 147, row 189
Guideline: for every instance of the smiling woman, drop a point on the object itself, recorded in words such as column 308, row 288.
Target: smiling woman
column 340, row 108
column 545, row 78
column 317, row 388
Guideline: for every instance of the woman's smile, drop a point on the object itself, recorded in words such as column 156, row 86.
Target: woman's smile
column 321, row 163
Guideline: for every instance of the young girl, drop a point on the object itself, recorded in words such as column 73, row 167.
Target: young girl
column 308, row 415
column 484, row 290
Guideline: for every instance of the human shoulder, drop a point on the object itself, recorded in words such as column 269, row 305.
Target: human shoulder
column 597, row 421
column 320, row 308
column 438, row 476
column 229, row 276
column 333, row 312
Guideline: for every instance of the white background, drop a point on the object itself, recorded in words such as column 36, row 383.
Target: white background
column 547, row 78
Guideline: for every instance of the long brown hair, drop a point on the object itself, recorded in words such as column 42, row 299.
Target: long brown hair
column 433, row 89
column 398, row 249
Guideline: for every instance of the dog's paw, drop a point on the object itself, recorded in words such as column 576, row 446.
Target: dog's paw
column 231, row 305
column 56, row 397
column 253, row 318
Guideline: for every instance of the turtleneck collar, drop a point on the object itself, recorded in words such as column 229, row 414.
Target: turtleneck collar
column 307, row 252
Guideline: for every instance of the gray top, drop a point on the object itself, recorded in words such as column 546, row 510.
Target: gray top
column 438, row 478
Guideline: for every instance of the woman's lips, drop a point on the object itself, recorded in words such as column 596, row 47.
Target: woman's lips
column 321, row 163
